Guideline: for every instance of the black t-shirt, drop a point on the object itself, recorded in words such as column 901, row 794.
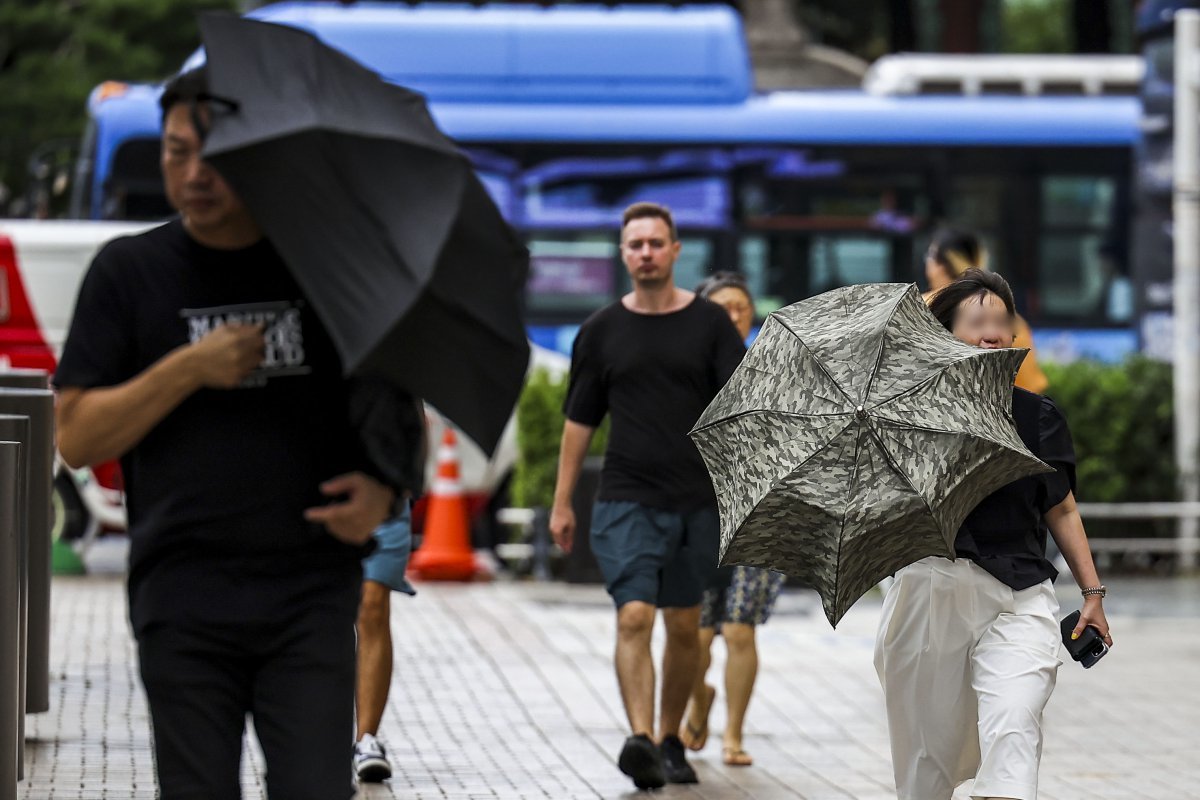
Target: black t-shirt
column 1006, row 533
column 217, row 490
column 655, row 374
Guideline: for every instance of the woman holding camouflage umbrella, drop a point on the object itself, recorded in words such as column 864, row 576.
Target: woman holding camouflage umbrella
column 967, row 650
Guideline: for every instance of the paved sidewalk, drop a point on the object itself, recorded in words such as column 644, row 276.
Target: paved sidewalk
column 507, row 691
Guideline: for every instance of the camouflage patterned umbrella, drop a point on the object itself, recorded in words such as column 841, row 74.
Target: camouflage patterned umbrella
column 855, row 437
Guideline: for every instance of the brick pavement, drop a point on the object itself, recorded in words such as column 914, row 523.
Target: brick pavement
column 507, row 691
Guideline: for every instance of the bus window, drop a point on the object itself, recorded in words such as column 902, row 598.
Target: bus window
column 571, row 275
column 1081, row 279
column 842, row 260
column 835, row 191
column 1075, row 200
column 593, row 190
column 817, row 219
column 752, row 262
column 784, row 268
column 1079, row 268
column 976, row 203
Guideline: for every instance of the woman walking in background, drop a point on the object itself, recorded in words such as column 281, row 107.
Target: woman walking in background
column 951, row 253
column 739, row 600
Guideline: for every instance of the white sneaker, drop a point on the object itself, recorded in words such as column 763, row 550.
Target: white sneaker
column 370, row 760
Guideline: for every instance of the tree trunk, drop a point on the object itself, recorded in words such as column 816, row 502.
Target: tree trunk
column 960, row 25
column 1091, row 21
column 902, row 26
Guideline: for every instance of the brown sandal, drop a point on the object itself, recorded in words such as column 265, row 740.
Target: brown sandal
column 736, row 757
column 695, row 738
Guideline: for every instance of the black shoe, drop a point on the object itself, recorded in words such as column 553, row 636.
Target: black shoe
column 642, row 761
column 675, row 764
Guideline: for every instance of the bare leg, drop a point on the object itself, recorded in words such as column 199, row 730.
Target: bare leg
column 374, row 656
column 695, row 733
column 635, row 667
column 680, row 660
column 740, row 671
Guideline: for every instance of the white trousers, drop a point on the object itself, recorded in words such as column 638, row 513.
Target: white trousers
column 967, row 665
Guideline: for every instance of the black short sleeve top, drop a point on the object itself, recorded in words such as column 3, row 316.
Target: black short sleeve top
column 1006, row 533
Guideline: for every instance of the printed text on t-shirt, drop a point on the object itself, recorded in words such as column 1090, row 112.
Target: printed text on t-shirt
column 283, row 334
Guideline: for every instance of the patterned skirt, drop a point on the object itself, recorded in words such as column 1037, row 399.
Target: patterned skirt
column 747, row 599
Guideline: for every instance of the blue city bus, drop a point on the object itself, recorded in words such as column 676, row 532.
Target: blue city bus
column 571, row 113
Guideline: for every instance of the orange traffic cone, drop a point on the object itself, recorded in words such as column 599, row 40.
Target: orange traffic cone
column 445, row 554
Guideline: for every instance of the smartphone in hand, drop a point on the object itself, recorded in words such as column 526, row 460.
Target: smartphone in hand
column 1088, row 648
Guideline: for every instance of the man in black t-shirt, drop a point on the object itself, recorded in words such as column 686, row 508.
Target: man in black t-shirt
column 653, row 361
column 195, row 359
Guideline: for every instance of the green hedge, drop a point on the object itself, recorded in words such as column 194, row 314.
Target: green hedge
column 1121, row 420
column 539, row 433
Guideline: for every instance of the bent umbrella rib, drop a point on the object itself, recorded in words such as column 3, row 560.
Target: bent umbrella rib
column 879, row 353
column 812, row 356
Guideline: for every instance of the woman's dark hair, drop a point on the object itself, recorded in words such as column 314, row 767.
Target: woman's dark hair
column 972, row 283
column 958, row 250
column 724, row 280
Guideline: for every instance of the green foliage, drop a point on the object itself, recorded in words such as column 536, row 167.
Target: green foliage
column 53, row 53
column 1121, row 420
column 1037, row 26
column 539, row 432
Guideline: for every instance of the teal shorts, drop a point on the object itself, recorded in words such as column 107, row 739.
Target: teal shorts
column 393, row 544
column 660, row 557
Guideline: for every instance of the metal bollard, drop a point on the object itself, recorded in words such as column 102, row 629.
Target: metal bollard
column 24, row 378
column 15, row 429
column 10, row 668
column 38, row 405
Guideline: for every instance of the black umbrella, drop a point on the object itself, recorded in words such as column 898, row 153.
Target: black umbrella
column 378, row 215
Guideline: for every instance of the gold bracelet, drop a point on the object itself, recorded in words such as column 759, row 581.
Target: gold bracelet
column 1100, row 590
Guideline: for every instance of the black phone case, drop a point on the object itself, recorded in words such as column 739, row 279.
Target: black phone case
column 1089, row 647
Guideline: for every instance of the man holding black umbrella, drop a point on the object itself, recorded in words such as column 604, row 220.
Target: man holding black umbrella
column 196, row 359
